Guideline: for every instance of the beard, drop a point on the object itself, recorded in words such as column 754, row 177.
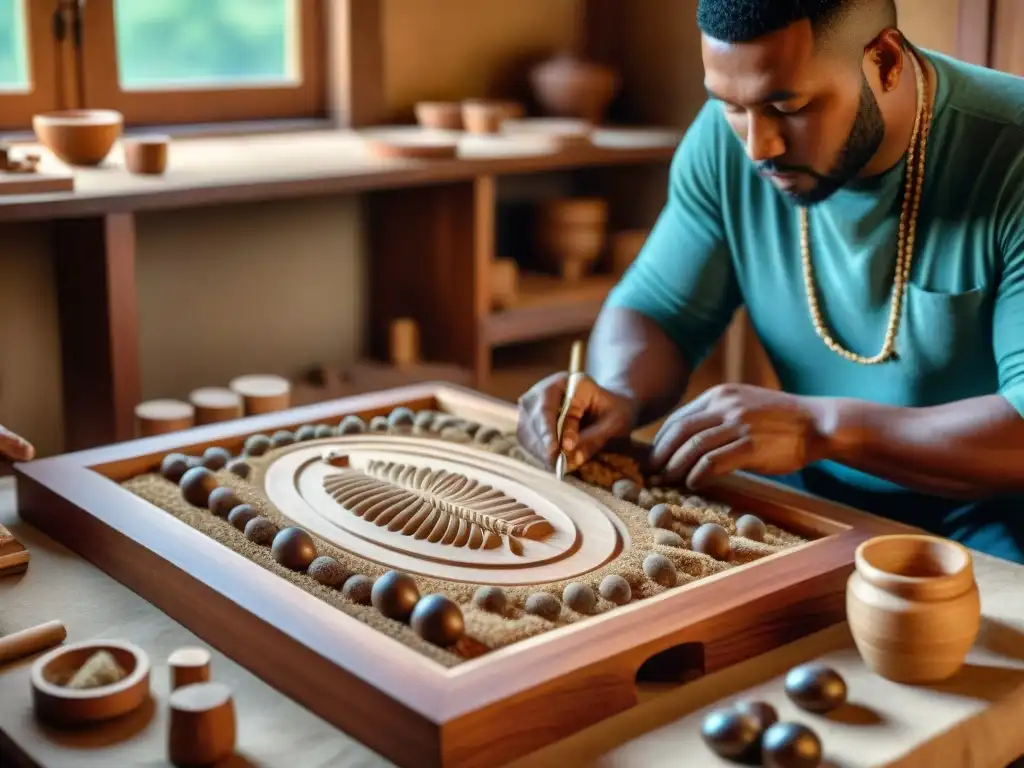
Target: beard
column 861, row 144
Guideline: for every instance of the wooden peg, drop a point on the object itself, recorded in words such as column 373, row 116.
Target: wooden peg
column 28, row 641
column 216, row 404
column 158, row 417
column 202, row 729
column 262, row 393
column 404, row 342
column 189, row 666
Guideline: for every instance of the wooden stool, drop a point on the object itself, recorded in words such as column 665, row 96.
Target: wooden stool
column 262, row 393
column 216, row 404
column 202, row 729
column 189, row 666
column 158, row 417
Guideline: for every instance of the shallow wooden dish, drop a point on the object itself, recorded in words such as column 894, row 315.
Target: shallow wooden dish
column 488, row 709
column 65, row 707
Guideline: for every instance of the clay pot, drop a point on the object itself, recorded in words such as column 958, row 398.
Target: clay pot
column 442, row 115
column 572, row 234
column 913, row 607
column 79, row 136
column 566, row 86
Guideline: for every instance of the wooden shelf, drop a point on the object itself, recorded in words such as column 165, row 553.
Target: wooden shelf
column 548, row 307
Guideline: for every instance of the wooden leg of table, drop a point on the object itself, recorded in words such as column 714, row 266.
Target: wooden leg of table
column 94, row 265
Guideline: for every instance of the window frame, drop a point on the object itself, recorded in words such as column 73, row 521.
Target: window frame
column 231, row 103
column 17, row 109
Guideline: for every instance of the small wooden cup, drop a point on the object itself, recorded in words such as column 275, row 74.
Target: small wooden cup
column 202, row 729
column 159, row 417
column 146, row 155
column 65, row 707
column 262, row 393
column 216, row 404
column 439, row 115
column 189, row 666
column 484, row 116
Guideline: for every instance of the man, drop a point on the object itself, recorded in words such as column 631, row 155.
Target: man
column 865, row 201
column 14, row 447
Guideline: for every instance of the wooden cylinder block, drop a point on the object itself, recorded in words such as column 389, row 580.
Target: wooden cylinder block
column 189, row 666
column 146, row 155
column 262, row 393
column 158, row 417
column 202, row 729
column 216, row 404
column 28, row 641
column 404, row 342
column 504, row 283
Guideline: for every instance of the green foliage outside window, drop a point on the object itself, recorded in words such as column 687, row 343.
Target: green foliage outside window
column 13, row 64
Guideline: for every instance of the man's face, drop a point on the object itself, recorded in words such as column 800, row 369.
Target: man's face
column 809, row 121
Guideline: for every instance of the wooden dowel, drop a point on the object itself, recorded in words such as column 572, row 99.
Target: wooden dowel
column 28, row 641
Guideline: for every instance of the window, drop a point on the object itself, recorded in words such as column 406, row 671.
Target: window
column 179, row 61
column 28, row 70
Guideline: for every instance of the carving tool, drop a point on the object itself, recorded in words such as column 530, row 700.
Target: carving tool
column 575, row 376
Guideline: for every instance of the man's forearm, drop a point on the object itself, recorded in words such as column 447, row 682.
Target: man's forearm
column 629, row 354
column 968, row 449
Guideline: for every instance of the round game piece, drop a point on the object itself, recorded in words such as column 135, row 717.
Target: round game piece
column 293, row 548
column 668, row 539
column 174, row 466
column 579, row 597
column 815, row 687
column 324, row 430
column 661, row 516
column 260, row 531
column 379, row 424
column 257, row 445
column 194, row 461
column 544, row 605
column 262, row 393
column 240, row 468
column 424, row 419
column 305, row 432
column 358, row 589
column 490, row 599
column 438, row 620
column 351, row 425
column 485, row 435
column 712, row 539
column 240, row 515
column 443, row 421
column 196, row 486
column 751, row 527
column 281, row 438
column 763, row 712
column 401, row 417
column 660, row 570
column 790, row 745
column 216, row 457
column 395, row 595
column 202, row 729
column 215, row 404
column 189, row 666
column 626, row 490
column 730, row 734
column 455, row 435
column 615, row 589
column 500, row 446
column 222, row 500
column 327, row 571
column 646, row 499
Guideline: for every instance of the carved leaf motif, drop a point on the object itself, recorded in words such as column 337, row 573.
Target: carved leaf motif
column 436, row 505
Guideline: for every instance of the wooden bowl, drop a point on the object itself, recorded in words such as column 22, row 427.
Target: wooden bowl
column 569, row 87
column 913, row 607
column 483, row 116
column 442, row 115
column 79, row 136
column 60, row 706
column 572, row 234
column 146, row 155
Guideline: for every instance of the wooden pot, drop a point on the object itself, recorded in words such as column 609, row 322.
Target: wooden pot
column 81, row 137
column 913, row 607
column 572, row 234
column 567, row 86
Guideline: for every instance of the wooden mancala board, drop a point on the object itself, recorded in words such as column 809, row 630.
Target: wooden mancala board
column 588, row 590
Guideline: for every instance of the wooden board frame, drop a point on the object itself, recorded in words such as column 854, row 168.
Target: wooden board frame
column 395, row 700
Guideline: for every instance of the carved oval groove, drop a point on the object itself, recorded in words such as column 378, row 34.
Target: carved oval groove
column 436, row 505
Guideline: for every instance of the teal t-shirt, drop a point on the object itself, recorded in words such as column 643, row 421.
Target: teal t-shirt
column 727, row 237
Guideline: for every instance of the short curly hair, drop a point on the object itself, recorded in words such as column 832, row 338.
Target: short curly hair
column 739, row 21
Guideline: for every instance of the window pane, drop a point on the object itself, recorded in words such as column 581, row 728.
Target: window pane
column 13, row 61
column 166, row 44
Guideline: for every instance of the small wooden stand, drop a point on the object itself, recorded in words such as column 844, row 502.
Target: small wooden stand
column 215, row 404
column 202, row 730
column 262, row 393
column 13, row 555
column 189, row 666
column 159, row 417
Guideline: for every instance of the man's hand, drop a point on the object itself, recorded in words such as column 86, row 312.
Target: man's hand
column 596, row 416
column 14, row 447
column 738, row 427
